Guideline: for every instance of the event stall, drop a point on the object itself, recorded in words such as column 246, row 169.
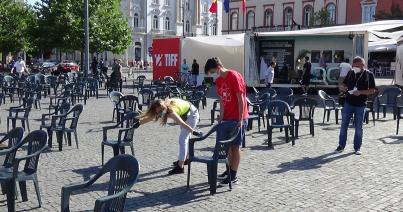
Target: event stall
column 399, row 62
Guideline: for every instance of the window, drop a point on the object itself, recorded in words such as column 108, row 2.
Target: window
column 166, row 2
column 187, row 5
column 250, row 20
column 308, row 15
column 288, row 16
column 268, row 17
column 205, row 8
column 368, row 13
column 214, row 29
column 205, row 29
column 187, row 27
column 155, row 22
column 331, row 9
column 234, row 21
column 167, row 24
column 136, row 20
column 156, row 2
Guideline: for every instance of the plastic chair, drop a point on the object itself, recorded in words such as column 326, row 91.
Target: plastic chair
column 114, row 96
column 388, row 98
column 219, row 154
column 125, row 136
column 257, row 112
column 123, row 173
column 329, row 104
column 126, row 105
column 280, row 116
column 45, row 124
column 92, row 87
column 285, row 94
column 36, row 141
column 13, row 137
column 306, row 108
column 139, row 83
column 216, row 108
column 147, row 95
column 14, row 114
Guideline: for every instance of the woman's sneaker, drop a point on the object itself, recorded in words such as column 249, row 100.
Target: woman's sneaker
column 176, row 162
column 223, row 176
column 234, row 181
column 176, row 170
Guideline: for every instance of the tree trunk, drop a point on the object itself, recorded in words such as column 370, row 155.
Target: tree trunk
column 81, row 61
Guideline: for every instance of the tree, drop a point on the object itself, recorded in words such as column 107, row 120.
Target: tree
column 16, row 21
column 321, row 18
column 395, row 13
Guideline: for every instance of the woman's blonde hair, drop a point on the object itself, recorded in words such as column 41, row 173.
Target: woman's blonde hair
column 152, row 111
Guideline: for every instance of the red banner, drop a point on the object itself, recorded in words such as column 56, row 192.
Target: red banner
column 166, row 58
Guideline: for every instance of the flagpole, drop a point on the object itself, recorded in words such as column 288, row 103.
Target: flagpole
column 216, row 21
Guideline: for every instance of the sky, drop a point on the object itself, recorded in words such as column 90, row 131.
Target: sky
column 32, row 2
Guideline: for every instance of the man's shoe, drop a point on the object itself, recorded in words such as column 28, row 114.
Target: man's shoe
column 226, row 181
column 358, row 152
column 176, row 162
column 176, row 170
column 223, row 176
column 339, row 149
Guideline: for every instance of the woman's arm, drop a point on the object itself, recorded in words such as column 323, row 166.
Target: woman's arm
column 145, row 120
column 179, row 121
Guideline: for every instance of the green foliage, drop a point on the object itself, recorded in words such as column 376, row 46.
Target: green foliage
column 16, row 22
column 321, row 18
column 395, row 14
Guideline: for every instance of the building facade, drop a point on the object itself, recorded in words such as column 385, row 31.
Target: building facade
column 166, row 18
column 279, row 15
column 363, row 11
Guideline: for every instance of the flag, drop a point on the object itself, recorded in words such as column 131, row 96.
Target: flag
column 226, row 6
column 213, row 7
column 243, row 6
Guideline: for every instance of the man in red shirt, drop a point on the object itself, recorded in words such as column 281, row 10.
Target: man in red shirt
column 231, row 89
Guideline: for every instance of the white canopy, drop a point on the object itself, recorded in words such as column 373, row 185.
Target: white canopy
column 382, row 45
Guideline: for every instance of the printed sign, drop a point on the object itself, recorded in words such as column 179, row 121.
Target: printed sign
column 166, row 58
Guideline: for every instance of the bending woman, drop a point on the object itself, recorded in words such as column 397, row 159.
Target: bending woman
column 184, row 114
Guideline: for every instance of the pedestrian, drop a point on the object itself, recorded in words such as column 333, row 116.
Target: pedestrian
column 94, row 66
column 306, row 76
column 231, row 89
column 115, row 80
column 270, row 74
column 344, row 68
column 358, row 85
column 19, row 68
column 322, row 61
column 195, row 72
column 184, row 114
column 184, row 71
column 105, row 67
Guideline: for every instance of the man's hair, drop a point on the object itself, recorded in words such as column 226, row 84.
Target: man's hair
column 347, row 60
column 306, row 58
column 212, row 63
column 358, row 59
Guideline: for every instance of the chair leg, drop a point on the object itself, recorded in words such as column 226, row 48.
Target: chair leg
column 188, row 177
column 38, row 194
column 373, row 117
column 76, row 138
column 132, row 148
column 102, row 153
column 286, row 135
column 337, row 116
column 269, row 137
column 11, row 195
column 397, row 127
column 8, row 125
column 377, row 110
column 23, row 190
column 292, row 135
column 324, row 115
column 59, row 136
column 313, row 128
column 384, row 112
column 296, row 128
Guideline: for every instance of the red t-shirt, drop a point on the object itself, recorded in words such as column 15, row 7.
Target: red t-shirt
column 227, row 88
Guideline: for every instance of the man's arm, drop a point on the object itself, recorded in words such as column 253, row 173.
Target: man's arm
column 240, row 98
column 221, row 111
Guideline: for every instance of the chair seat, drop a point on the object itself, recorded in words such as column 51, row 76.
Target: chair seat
column 202, row 159
column 280, row 126
column 16, row 118
column 115, row 142
column 46, row 126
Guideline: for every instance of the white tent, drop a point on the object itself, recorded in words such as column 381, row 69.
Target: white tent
column 229, row 48
column 399, row 62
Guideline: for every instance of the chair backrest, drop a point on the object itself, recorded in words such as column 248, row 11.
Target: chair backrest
column 14, row 137
column 306, row 108
column 323, row 95
column 9, row 81
column 391, row 95
column 227, row 132
column 37, row 143
column 79, row 88
column 31, row 79
column 271, row 91
column 285, row 94
column 128, row 102
column 128, row 121
column 114, row 96
column 327, row 100
column 141, row 79
column 51, row 80
column 74, row 113
column 278, row 112
column 123, row 173
column 147, row 95
column 63, row 108
column 40, row 78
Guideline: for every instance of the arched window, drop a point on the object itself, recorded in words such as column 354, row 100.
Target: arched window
column 214, row 29
column 187, row 5
column 308, row 15
column 155, row 22
column 167, row 24
column 205, row 8
column 268, row 17
column 288, row 16
column 234, row 21
column 250, row 20
column 331, row 9
column 156, row 1
column 187, row 27
column 205, row 29
column 166, row 2
column 136, row 20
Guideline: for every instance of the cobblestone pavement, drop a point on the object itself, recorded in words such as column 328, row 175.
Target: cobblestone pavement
column 306, row 177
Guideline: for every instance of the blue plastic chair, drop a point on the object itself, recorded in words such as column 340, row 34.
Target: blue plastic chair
column 388, row 98
column 280, row 116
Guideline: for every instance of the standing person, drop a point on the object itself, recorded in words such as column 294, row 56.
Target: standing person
column 306, row 76
column 184, row 71
column 94, row 66
column 231, row 89
column 195, row 72
column 270, row 74
column 358, row 85
column 115, row 80
column 105, row 66
column 19, row 67
column 183, row 113
column 322, row 61
column 344, row 68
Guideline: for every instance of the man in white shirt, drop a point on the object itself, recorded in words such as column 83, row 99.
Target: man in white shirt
column 184, row 71
column 344, row 67
column 270, row 74
column 19, row 67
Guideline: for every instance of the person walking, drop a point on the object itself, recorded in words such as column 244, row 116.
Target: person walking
column 270, row 74
column 322, row 61
column 231, row 89
column 94, row 66
column 344, row 68
column 306, row 76
column 19, row 68
column 358, row 85
column 115, row 80
column 195, row 72
column 184, row 71
column 183, row 113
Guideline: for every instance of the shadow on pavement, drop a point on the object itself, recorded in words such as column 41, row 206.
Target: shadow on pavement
column 392, row 140
column 308, row 163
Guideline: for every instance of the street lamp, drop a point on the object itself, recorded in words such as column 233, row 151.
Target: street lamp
column 86, row 39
